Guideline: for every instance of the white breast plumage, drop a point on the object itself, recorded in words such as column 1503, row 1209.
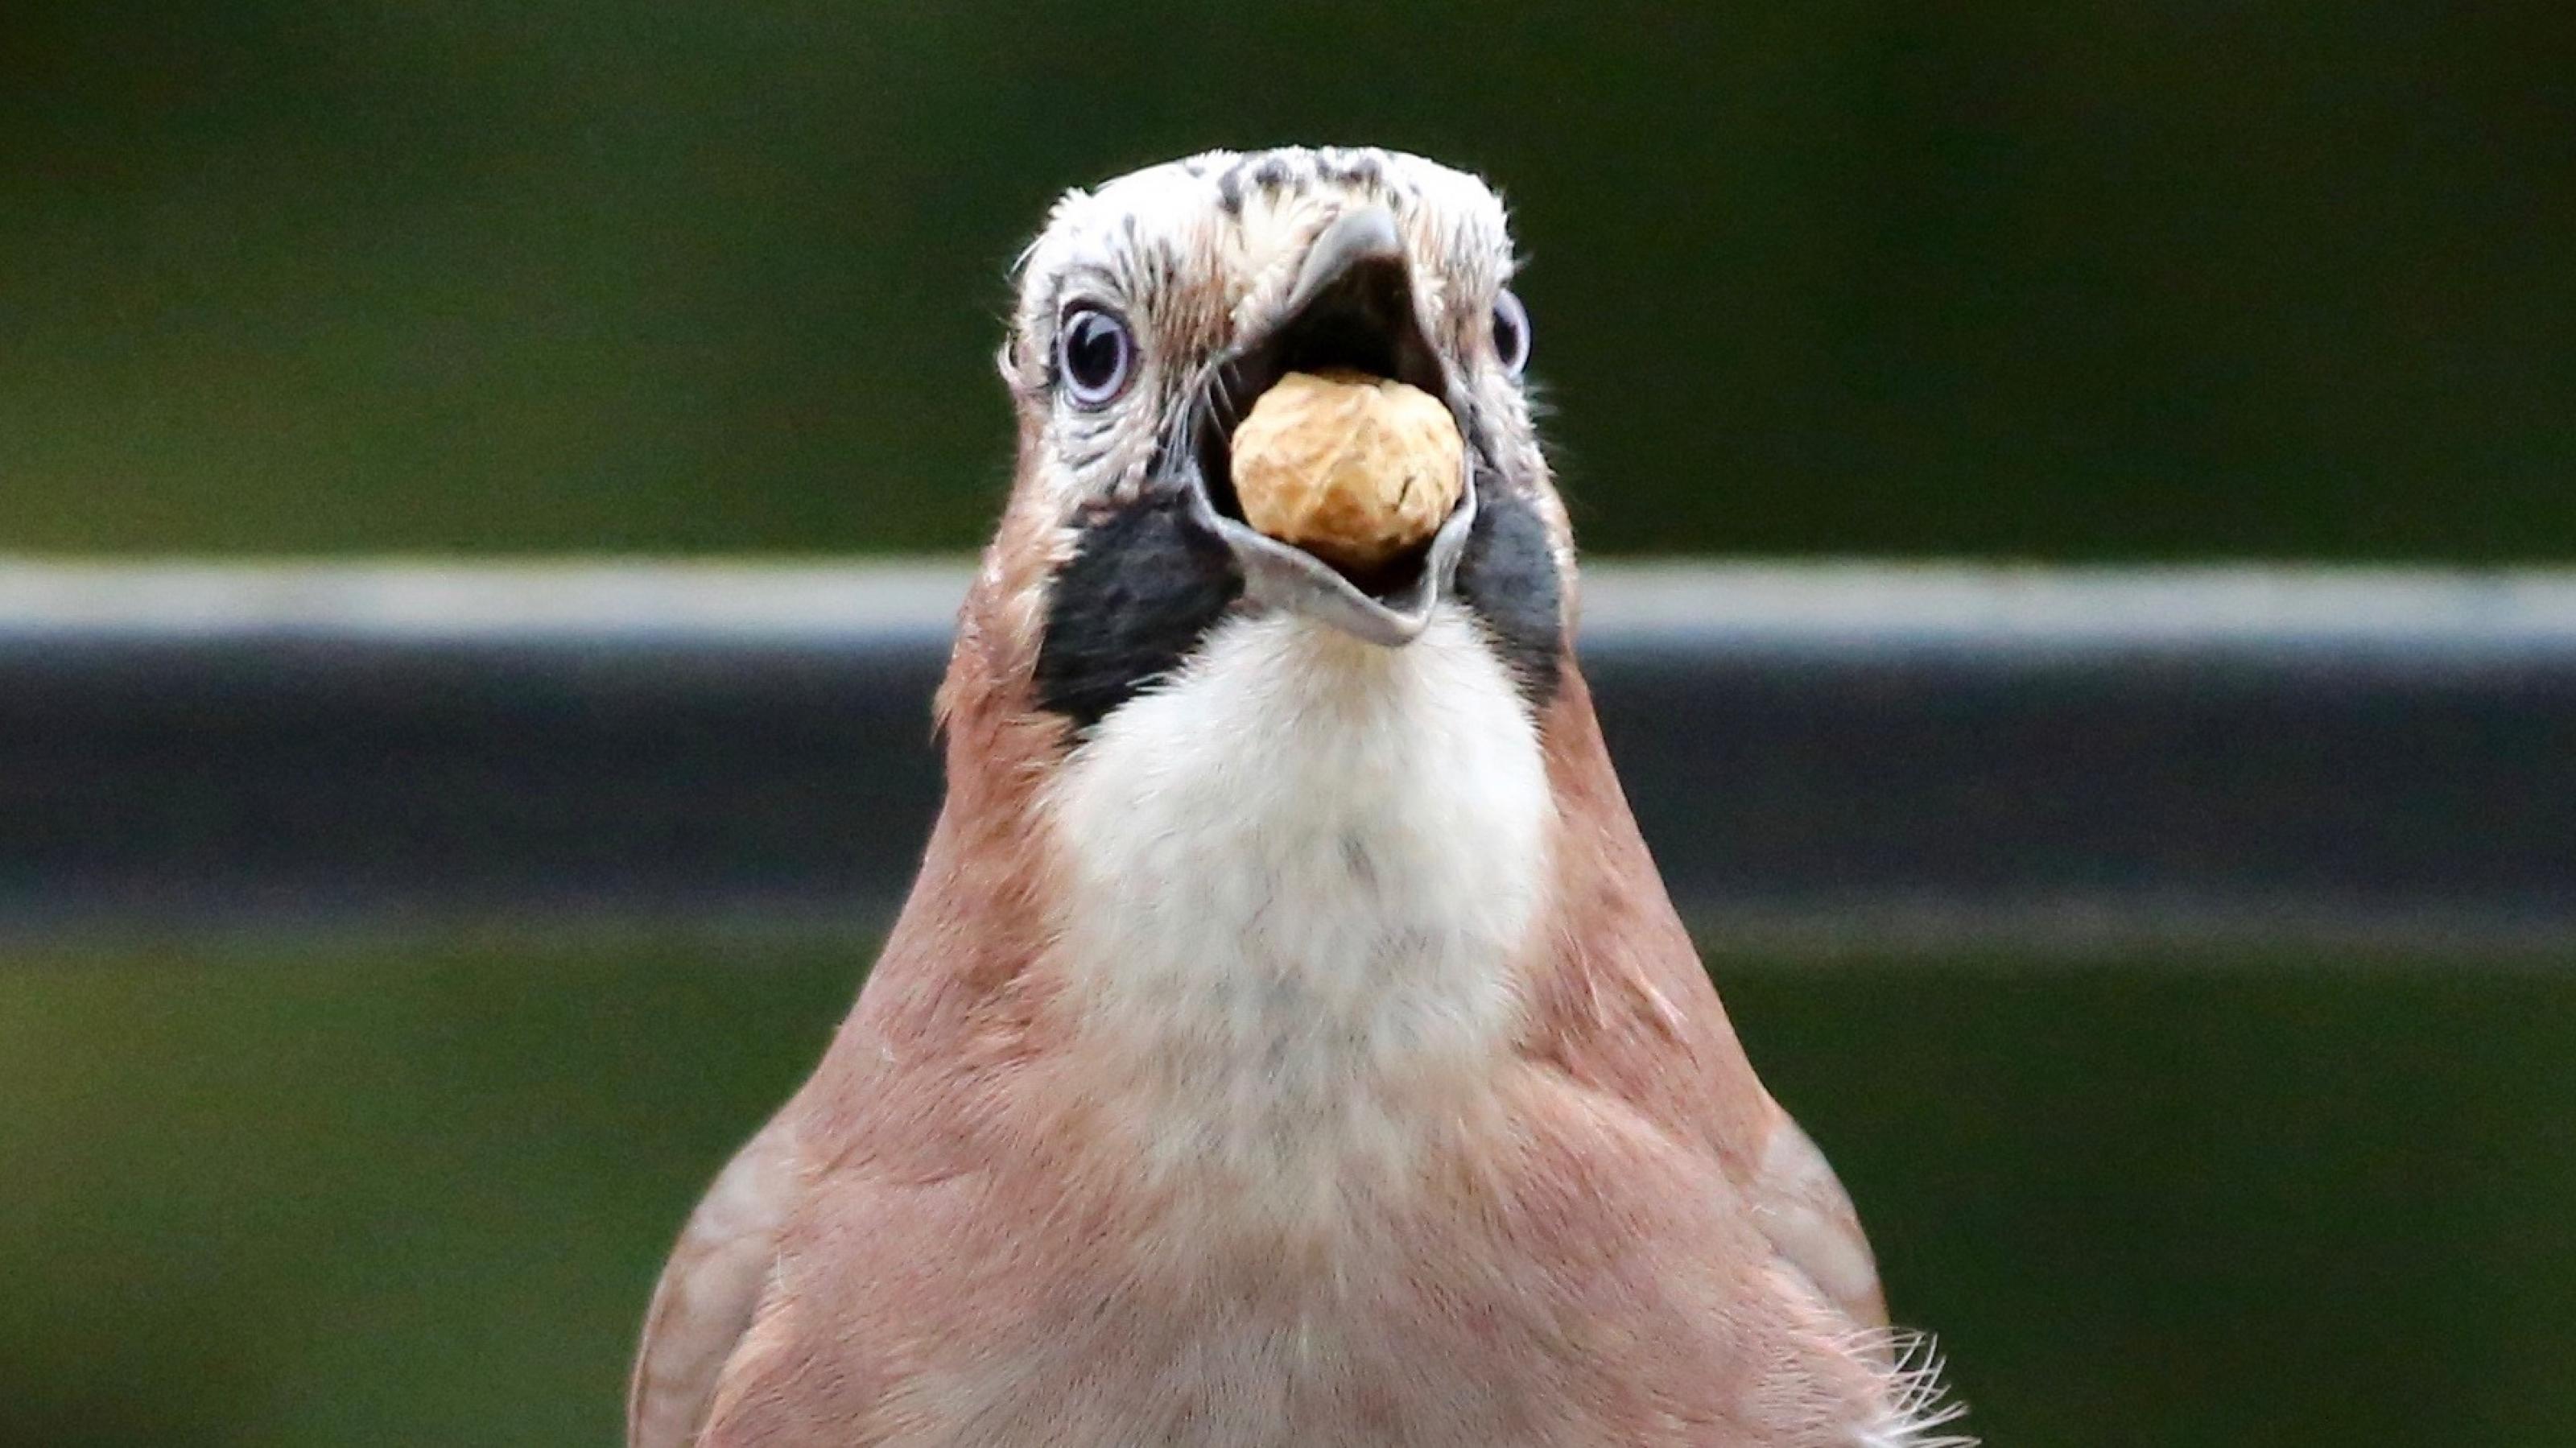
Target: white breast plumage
column 1302, row 869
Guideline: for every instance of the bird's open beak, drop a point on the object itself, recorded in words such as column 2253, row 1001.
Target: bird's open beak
column 1353, row 306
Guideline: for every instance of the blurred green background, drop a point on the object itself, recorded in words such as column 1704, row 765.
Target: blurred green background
column 2064, row 281
column 2089, row 279
column 325, row 1200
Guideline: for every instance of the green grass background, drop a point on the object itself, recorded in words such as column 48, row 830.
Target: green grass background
column 332, row 1200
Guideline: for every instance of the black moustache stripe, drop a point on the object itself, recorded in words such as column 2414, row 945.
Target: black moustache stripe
column 1507, row 577
column 1144, row 585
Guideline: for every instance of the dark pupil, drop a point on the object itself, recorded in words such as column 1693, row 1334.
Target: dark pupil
column 1094, row 351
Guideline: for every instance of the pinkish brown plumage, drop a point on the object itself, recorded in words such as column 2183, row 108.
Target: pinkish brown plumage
column 1288, row 1040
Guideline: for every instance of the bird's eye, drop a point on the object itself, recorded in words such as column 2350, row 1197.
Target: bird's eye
column 1096, row 355
column 1511, row 332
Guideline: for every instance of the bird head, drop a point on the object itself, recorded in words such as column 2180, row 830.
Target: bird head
column 1152, row 312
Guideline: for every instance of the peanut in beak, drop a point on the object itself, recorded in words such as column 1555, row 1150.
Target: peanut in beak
column 1354, row 469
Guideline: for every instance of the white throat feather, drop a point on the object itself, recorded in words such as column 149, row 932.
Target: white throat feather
column 1302, row 872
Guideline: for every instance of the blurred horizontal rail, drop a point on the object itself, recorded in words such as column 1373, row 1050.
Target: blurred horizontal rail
column 1824, row 757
